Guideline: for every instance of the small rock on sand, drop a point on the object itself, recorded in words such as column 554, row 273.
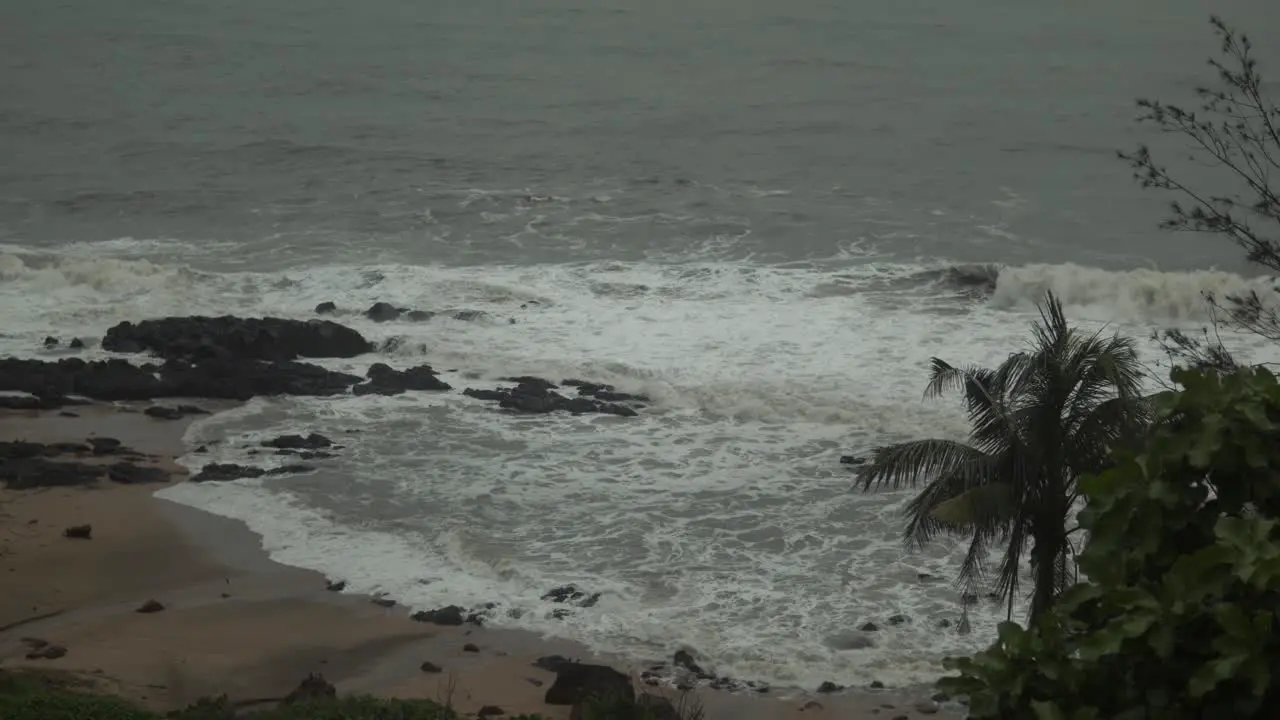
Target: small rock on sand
column 150, row 606
column 48, row 652
column 79, row 532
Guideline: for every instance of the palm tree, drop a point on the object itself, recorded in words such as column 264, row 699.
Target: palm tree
column 1043, row 418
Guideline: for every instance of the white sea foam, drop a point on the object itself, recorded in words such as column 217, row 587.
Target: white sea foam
column 720, row 518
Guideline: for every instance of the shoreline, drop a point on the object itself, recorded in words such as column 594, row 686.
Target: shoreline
column 252, row 627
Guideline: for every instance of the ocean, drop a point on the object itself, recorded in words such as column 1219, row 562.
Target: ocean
column 766, row 216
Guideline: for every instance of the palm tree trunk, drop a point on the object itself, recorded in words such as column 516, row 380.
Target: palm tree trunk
column 1049, row 534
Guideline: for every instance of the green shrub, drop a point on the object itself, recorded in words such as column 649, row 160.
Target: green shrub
column 1179, row 617
column 358, row 707
column 37, row 696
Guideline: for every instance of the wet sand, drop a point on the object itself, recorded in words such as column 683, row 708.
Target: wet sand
column 236, row 623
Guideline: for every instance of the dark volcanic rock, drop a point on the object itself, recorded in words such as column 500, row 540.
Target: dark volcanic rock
column 104, row 445
column 150, row 606
column 337, row 586
column 326, row 308
column 656, row 707
column 385, row 380
column 51, row 342
column 78, row 532
column 471, row 648
column 489, row 711
column 451, row 615
column 130, row 474
column 576, row 681
column 217, row 472
column 684, row 659
column 47, row 652
column 384, row 312
column 551, row 663
column 241, row 338
column 32, row 402
column 161, row 412
column 34, row 472
column 532, row 381
column 430, row 667
column 232, row 379
column 76, row 344
column 603, row 391
column 570, row 594
column 312, row 441
column 534, row 395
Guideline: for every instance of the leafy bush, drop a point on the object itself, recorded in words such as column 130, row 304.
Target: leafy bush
column 36, row 696
column 1179, row 617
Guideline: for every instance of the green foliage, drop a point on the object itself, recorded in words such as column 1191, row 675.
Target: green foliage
column 1041, row 419
column 30, row 696
column 357, row 707
column 1179, row 617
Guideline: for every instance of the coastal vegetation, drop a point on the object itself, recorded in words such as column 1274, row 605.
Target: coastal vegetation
column 1234, row 129
column 1176, row 617
column 1042, row 419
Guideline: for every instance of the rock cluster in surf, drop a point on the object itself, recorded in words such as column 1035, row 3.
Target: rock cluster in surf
column 235, row 358
column 241, row 358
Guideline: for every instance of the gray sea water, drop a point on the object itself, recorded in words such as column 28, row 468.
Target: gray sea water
column 746, row 210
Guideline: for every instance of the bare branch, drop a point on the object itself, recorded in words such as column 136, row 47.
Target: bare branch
column 1236, row 127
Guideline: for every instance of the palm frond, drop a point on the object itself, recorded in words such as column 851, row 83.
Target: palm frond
column 910, row 462
column 1042, row 418
column 981, row 505
column 923, row 525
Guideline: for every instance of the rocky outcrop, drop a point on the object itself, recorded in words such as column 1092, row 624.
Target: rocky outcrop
column 165, row 412
column 454, row 615
column 578, row 681
column 451, row 615
column 25, row 465
column 311, row 441
column 129, row 474
column 37, row 402
column 150, row 606
column 571, row 595
column 113, row 380
column 539, row 396
column 221, row 472
column 272, row 339
column 385, row 380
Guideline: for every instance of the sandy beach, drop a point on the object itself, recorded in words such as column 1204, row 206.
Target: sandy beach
column 234, row 622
